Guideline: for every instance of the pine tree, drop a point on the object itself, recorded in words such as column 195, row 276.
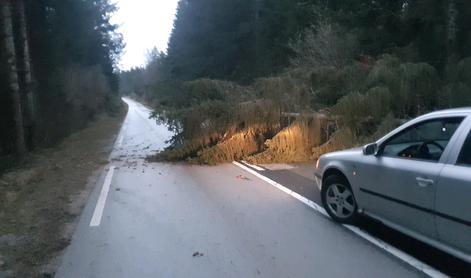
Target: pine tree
column 25, row 75
column 13, row 85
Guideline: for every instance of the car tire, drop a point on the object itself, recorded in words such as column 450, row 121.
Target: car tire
column 338, row 199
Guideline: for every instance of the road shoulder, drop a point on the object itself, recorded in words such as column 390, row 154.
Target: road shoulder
column 40, row 204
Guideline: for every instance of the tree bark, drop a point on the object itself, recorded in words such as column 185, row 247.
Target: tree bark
column 452, row 26
column 257, row 45
column 9, row 47
column 25, row 75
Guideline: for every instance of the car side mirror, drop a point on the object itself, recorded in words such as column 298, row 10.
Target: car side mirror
column 370, row 149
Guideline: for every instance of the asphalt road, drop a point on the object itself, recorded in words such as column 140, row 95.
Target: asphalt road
column 299, row 178
column 175, row 220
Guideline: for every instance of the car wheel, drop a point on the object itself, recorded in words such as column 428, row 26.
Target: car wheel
column 338, row 199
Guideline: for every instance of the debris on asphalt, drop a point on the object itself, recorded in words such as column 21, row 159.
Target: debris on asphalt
column 241, row 177
column 197, row 254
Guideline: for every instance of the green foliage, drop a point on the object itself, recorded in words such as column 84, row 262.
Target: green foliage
column 235, row 39
column 86, row 90
column 201, row 90
column 287, row 91
column 329, row 85
column 132, row 82
column 208, row 38
column 324, row 46
column 367, row 63
column 74, row 33
column 378, row 102
column 289, row 145
column 388, row 124
column 404, row 89
column 457, row 92
column 420, row 84
column 236, row 147
column 353, row 111
column 341, row 139
column 196, row 108
column 74, row 50
column 414, row 86
column 361, row 113
column 386, row 72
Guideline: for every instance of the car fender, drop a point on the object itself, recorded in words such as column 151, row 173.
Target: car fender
column 347, row 169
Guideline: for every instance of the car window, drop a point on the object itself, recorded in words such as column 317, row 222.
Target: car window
column 426, row 140
column 465, row 155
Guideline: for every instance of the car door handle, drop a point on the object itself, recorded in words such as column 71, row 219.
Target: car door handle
column 424, row 182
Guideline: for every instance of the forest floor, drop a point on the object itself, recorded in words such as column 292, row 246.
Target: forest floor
column 40, row 203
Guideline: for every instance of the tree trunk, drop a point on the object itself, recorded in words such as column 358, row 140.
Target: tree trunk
column 452, row 29
column 9, row 47
column 257, row 31
column 25, row 75
column 451, row 25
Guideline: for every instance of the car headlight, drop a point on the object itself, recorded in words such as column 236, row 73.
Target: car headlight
column 317, row 163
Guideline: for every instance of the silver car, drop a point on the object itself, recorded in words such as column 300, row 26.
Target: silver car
column 416, row 179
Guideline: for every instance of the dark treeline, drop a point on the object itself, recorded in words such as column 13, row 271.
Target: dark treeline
column 57, row 69
column 236, row 40
column 242, row 40
column 394, row 59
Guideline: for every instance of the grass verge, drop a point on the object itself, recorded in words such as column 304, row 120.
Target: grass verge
column 41, row 202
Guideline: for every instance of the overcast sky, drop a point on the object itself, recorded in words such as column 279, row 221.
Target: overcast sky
column 144, row 24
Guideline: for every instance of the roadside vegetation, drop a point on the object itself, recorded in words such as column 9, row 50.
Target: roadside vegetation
column 57, row 72
column 41, row 202
column 272, row 81
column 59, row 114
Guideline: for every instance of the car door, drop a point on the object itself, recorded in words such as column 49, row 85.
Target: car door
column 401, row 183
column 453, row 205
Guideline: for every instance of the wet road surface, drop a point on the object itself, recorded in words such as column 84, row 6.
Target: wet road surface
column 300, row 178
column 177, row 220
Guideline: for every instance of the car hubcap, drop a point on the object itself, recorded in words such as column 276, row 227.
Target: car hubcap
column 340, row 201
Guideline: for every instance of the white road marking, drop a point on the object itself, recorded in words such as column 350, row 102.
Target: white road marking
column 277, row 167
column 100, row 206
column 397, row 253
column 253, row 166
column 304, row 200
column 428, row 270
column 120, row 140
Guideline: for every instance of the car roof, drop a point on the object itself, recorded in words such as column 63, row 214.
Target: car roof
column 457, row 111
